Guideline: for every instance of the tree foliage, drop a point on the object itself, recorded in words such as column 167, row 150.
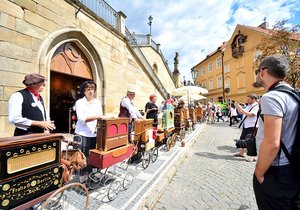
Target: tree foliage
column 284, row 40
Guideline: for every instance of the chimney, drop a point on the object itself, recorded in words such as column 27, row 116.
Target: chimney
column 264, row 24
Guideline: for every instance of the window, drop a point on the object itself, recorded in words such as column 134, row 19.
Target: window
column 219, row 81
column 219, row 62
column 203, row 84
column 241, row 81
column 226, row 68
column 203, row 70
column 196, row 73
column 211, row 84
column 227, row 83
column 210, row 67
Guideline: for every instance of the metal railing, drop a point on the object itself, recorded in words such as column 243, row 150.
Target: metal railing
column 103, row 10
column 145, row 40
column 159, row 86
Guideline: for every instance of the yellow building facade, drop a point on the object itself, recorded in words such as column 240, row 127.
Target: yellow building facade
column 233, row 78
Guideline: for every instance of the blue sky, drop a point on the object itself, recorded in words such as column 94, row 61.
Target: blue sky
column 194, row 28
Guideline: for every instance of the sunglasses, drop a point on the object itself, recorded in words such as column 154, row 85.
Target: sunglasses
column 260, row 69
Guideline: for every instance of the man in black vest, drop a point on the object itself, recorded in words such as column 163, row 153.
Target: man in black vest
column 26, row 108
column 127, row 109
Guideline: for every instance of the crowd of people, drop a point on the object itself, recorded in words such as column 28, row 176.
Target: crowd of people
column 275, row 183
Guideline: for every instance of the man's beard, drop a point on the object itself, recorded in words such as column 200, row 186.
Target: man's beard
column 257, row 84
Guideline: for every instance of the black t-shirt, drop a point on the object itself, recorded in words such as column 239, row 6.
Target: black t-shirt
column 153, row 113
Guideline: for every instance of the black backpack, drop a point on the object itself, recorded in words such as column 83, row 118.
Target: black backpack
column 294, row 156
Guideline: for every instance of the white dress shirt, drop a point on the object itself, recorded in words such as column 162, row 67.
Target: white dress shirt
column 15, row 111
column 134, row 113
column 85, row 109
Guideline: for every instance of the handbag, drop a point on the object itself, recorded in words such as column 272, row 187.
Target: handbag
column 251, row 145
column 251, row 140
column 76, row 158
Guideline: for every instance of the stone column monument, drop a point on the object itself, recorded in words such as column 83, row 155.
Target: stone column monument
column 176, row 73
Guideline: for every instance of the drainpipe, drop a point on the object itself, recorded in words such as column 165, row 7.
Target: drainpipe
column 223, row 77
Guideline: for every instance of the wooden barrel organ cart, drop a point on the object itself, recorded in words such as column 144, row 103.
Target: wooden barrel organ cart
column 143, row 136
column 179, row 122
column 193, row 117
column 166, row 130
column 31, row 172
column 199, row 113
column 112, row 147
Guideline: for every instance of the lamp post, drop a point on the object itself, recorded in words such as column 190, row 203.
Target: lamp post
column 150, row 18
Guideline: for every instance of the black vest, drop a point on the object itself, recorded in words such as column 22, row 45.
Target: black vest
column 32, row 112
column 124, row 112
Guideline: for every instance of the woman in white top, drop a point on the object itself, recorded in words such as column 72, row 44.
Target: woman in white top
column 88, row 110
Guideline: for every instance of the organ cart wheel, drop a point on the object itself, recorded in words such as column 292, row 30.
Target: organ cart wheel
column 127, row 181
column 182, row 133
column 113, row 188
column 173, row 140
column 70, row 196
column 169, row 143
column 95, row 179
column 146, row 159
column 154, row 154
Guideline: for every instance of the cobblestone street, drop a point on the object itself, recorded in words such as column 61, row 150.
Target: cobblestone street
column 210, row 177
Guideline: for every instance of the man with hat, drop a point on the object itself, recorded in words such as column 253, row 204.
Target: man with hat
column 26, row 108
column 248, row 123
column 127, row 108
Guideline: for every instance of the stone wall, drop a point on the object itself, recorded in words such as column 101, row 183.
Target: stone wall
column 31, row 30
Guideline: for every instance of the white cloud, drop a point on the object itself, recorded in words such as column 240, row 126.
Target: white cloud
column 194, row 28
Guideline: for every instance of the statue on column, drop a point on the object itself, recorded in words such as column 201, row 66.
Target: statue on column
column 176, row 62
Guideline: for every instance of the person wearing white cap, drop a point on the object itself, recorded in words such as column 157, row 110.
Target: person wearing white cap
column 127, row 108
column 26, row 108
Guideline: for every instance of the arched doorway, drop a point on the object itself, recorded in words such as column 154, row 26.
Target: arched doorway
column 68, row 69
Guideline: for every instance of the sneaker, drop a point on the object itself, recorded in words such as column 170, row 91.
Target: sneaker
column 251, row 159
column 238, row 155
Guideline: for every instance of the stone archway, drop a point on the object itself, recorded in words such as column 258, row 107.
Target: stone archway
column 66, row 58
column 68, row 69
column 69, row 59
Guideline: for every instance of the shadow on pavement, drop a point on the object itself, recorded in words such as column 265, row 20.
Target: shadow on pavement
column 216, row 156
column 228, row 149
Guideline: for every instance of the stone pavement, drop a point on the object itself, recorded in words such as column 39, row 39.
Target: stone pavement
column 210, row 177
column 148, row 184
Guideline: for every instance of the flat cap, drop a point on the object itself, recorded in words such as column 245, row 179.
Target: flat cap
column 131, row 92
column 32, row 79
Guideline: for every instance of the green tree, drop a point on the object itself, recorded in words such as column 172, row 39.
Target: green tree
column 285, row 40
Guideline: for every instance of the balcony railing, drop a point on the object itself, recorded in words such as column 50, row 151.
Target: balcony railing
column 103, row 10
column 237, row 51
column 146, row 40
column 133, row 41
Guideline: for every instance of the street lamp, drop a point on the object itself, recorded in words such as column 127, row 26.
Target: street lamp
column 194, row 74
column 150, row 18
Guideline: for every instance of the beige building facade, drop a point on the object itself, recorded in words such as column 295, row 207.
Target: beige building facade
column 67, row 43
column 233, row 81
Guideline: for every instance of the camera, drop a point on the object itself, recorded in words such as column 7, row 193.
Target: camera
column 240, row 143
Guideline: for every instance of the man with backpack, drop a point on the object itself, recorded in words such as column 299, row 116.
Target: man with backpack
column 275, row 182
